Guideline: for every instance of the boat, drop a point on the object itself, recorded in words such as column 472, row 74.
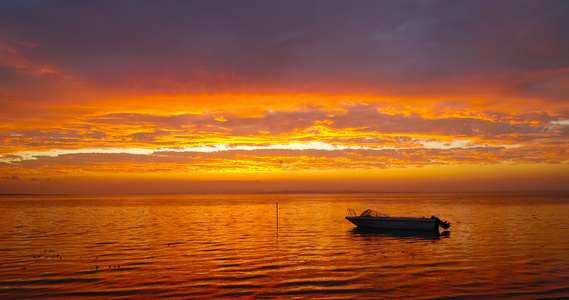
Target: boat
column 373, row 219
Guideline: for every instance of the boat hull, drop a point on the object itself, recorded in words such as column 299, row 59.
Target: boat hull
column 394, row 223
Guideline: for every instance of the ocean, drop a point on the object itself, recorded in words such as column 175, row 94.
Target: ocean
column 500, row 245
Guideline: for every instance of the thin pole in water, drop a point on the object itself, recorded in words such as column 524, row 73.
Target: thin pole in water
column 277, row 215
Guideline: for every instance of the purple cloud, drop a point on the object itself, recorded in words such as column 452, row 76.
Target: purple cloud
column 298, row 46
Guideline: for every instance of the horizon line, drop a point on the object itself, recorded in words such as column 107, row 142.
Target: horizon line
column 292, row 192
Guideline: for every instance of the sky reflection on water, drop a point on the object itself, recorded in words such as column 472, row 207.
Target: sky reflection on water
column 501, row 245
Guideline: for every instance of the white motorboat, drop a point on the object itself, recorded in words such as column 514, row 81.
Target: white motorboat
column 373, row 219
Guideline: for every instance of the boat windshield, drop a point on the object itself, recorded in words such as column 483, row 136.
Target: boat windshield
column 366, row 213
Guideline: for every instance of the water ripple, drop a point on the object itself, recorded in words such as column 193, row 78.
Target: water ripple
column 229, row 247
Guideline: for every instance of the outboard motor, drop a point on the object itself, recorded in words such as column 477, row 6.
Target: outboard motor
column 443, row 224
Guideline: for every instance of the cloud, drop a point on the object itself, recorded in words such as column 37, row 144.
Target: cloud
column 278, row 160
column 385, row 47
column 354, row 125
column 190, row 87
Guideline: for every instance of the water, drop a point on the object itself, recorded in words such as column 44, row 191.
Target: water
column 229, row 246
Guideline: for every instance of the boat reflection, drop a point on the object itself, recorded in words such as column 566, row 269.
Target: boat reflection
column 399, row 233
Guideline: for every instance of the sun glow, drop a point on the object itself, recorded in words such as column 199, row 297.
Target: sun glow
column 340, row 137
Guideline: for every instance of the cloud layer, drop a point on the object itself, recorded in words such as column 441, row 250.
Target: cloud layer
column 99, row 88
column 354, row 137
column 193, row 47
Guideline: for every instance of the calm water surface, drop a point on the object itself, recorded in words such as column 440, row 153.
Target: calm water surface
column 229, row 246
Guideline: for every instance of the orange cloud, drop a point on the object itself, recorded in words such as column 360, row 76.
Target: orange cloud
column 272, row 95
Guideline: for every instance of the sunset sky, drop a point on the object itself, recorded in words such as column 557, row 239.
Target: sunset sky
column 270, row 96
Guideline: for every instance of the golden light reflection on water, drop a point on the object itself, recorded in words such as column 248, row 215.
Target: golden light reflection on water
column 230, row 246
